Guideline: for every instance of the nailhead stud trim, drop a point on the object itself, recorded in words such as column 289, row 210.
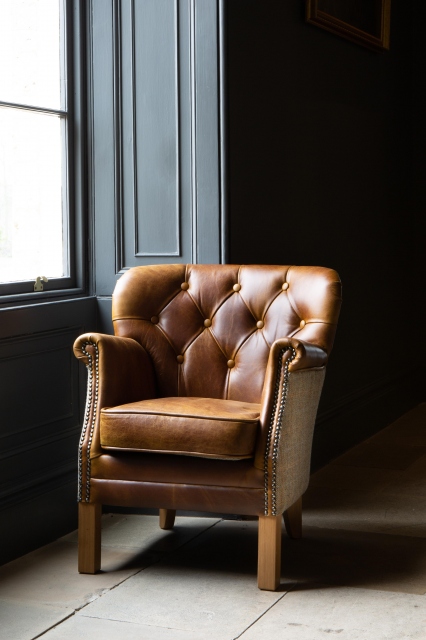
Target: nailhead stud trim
column 275, row 425
column 88, row 425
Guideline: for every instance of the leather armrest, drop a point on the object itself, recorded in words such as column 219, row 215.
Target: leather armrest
column 125, row 370
column 307, row 355
column 304, row 357
column 120, row 371
column 291, row 393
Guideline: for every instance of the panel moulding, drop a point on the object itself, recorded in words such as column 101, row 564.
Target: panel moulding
column 147, row 124
column 24, row 358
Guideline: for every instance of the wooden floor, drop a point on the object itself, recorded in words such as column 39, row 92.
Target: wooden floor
column 359, row 572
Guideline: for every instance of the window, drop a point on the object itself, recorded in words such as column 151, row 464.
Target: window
column 35, row 145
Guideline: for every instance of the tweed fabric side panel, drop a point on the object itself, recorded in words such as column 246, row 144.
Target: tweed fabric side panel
column 295, row 445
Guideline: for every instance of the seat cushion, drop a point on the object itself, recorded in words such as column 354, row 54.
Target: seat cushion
column 204, row 427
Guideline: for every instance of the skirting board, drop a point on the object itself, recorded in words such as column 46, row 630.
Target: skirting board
column 33, row 523
column 365, row 412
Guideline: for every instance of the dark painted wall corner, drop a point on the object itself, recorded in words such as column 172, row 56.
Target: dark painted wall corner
column 326, row 162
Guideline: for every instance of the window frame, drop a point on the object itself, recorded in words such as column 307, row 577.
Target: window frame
column 16, row 293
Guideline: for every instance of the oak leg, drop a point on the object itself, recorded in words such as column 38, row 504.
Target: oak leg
column 269, row 554
column 89, row 537
column 293, row 520
column 167, row 518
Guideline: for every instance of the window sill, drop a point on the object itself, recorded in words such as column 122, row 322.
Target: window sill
column 40, row 297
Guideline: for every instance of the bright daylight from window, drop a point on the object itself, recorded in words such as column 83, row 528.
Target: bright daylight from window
column 33, row 237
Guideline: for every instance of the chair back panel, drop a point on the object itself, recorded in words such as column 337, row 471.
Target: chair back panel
column 209, row 328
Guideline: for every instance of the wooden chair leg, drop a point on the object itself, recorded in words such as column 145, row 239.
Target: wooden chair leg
column 89, row 537
column 167, row 518
column 269, row 554
column 293, row 520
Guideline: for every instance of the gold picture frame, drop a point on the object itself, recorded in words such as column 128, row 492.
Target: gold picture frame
column 365, row 22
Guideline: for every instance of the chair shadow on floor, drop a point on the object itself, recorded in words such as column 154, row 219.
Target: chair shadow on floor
column 323, row 557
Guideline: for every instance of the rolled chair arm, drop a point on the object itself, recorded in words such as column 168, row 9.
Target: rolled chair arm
column 306, row 355
column 119, row 371
column 293, row 383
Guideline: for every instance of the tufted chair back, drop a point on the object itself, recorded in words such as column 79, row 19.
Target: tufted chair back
column 209, row 328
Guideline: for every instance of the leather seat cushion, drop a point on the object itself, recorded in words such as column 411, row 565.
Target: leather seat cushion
column 204, row 427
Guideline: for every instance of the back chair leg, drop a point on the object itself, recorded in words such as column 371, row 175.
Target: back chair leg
column 89, row 537
column 167, row 518
column 269, row 554
column 293, row 520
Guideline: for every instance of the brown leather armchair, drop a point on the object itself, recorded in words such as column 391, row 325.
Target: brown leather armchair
column 206, row 396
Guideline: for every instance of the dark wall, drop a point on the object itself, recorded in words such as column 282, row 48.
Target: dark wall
column 419, row 123
column 322, row 166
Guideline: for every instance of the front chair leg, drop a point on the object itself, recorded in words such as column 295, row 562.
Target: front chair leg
column 89, row 537
column 269, row 554
column 293, row 520
column 167, row 518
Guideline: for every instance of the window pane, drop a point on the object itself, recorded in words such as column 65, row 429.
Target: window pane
column 32, row 241
column 30, row 53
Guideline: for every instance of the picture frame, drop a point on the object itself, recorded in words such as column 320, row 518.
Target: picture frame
column 365, row 22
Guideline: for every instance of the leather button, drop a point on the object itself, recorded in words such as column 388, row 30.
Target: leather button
column 179, row 359
column 236, row 287
column 231, row 364
column 285, row 286
column 207, row 322
column 302, row 324
column 184, row 286
column 154, row 320
column 260, row 324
